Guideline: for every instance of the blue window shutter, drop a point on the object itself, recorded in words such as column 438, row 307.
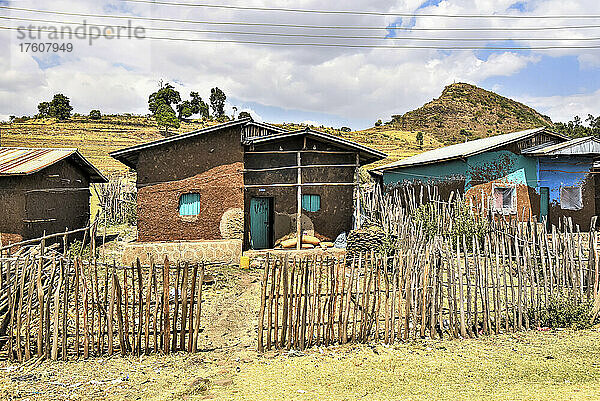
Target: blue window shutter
column 189, row 205
column 316, row 203
column 311, row 203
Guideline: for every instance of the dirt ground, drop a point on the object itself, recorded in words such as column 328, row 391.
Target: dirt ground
column 532, row 365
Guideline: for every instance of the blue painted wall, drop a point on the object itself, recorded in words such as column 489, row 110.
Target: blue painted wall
column 429, row 173
column 554, row 173
column 491, row 166
column 478, row 169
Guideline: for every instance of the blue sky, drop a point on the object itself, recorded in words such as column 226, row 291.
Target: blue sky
column 351, row 87
column 551, row 76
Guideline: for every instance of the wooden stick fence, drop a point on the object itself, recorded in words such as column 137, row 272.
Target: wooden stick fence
column 54, row 307
column 432, row 287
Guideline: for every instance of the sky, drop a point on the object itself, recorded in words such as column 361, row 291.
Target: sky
column 331, row 86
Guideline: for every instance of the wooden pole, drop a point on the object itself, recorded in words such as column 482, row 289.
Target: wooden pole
column 166, row 321
column 299, row 202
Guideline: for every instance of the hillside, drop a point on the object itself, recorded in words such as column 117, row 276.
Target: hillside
column 462, row 112
column 397, row 144
column 95, row 139
column 465, row 111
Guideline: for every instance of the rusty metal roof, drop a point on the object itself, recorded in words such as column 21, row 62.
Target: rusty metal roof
column 25, row 161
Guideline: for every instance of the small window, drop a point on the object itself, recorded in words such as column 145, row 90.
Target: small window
column 570, row 198
column 189, row 205
column 505, row 199
column 311, row 203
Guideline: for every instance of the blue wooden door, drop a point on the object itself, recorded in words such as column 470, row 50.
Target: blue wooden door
column 259, row 223
column 544, row 202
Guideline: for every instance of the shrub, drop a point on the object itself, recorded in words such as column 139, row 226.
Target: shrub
column 566, row 311
column 95, row 115
column 463, row 223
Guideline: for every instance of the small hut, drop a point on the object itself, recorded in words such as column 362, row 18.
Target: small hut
column 43, row 191
column 245, row 184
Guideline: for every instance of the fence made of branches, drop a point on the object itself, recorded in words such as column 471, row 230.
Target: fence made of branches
column 117, row 199
column 448, row 282
column 60, row 306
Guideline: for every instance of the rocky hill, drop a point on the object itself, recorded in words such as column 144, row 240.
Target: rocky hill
column 465, row 111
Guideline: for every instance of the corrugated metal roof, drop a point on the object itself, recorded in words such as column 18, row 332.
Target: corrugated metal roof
column 579, row 146
column 24, row 161
column 461, row 150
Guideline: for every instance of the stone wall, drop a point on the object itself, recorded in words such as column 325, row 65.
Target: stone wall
column 217, row 251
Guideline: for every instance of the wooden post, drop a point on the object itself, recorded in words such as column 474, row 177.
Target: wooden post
column 56, row 316
column 284, row 316
column 357, row 190
column 192, row 300
column 299, row 202
column 199, row 312
column 40, row 294
column 184, row 305
column 166, row 322
column 148, row 299
column 261, row 312
column 111, row 310
column 176, row 308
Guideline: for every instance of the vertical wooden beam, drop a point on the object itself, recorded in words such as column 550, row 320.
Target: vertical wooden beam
column 357, row 190
column 299, row 202
column 166, row 322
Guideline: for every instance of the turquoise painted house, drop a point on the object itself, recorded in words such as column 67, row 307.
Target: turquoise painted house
column 535, row 171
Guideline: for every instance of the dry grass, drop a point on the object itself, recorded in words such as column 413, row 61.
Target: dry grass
column 526, row 366
column 540, row 366
column 95, row 139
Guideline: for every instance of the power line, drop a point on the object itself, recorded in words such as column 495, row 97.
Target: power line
column 255, row 42
column 375, row 13
column 321, row 36
column 304, row 26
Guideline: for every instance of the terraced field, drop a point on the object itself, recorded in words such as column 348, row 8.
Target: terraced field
column 96, row 139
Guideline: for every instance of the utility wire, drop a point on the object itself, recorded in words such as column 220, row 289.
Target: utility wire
column 364, row 46
column 349, row 12
column 304, row 35
column 280, row 25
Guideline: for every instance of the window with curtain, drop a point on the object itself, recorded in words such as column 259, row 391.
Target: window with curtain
column 311, row 203
column 570, row 198
column 505, row 199
column 189, row 205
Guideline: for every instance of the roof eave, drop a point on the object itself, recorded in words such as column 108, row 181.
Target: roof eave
column 391, row 166
column 119, row 154
column 372, row 154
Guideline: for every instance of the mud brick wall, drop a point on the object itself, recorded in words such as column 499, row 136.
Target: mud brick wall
column 48, row 201
column 220, row 189
column 337, row 203
column 210, row 165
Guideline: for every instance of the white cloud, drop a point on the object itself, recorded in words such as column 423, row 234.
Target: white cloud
column 564, row 108
column 118, row 75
